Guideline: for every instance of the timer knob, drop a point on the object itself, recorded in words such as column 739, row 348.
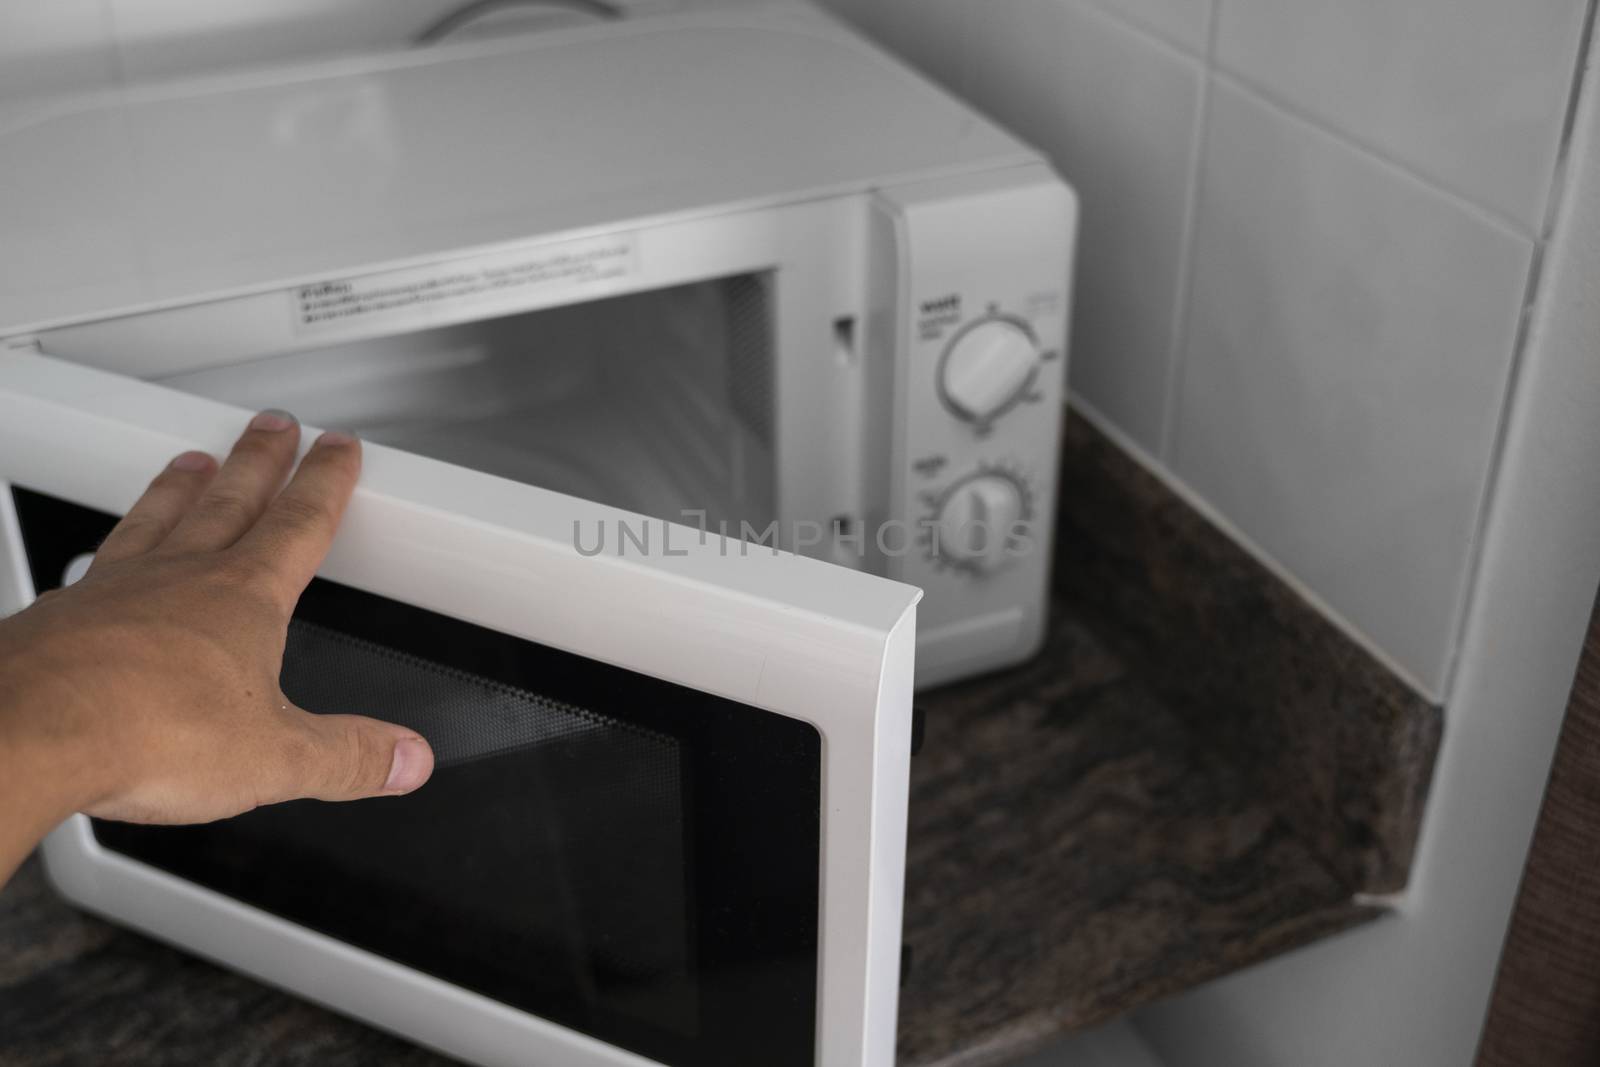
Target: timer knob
column 976, row 518
column 987, row 368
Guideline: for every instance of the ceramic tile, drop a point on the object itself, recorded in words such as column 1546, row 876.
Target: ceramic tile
column 926, row 33
column 1119, row 116
column 1472, row 93
column 1183, row 22
column 1350, row 337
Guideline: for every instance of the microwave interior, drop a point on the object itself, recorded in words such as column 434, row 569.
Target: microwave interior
column 630, row 858
column 658, row 402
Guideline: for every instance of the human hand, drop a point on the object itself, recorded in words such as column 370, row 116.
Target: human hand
column 148, row 691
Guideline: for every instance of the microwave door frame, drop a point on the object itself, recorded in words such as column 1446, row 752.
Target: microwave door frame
column 823, row 644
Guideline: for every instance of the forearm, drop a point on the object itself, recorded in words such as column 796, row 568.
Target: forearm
column 40, row 779
column 26, row 814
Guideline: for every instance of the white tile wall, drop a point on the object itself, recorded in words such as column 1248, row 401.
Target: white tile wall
column 1328, row 377
column 1343, row 374
column 1471, row 93
column 1348, row 283
column 1120, row 115
column 927, row 33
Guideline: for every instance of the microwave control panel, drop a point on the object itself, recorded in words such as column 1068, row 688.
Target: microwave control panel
column 983, row 278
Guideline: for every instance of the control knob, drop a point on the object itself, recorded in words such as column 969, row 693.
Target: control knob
column 975, row 520
column 988, row 368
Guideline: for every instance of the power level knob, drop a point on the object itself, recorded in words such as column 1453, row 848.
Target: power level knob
column 987, row 368
column 976, row 519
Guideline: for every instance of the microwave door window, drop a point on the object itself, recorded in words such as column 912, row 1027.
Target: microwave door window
column 576, row 850
column 623, row 856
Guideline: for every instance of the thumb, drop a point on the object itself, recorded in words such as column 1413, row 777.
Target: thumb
column 351, row 756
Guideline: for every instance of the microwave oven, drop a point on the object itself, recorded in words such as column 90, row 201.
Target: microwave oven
column 691, row 351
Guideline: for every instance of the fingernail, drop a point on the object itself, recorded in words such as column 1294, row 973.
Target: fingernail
column 191, row 461
column 335, row 438
column 272, row 420
column 413, row 762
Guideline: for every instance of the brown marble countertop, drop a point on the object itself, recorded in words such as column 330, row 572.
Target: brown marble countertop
column 1075, row 852
column 1197, row 772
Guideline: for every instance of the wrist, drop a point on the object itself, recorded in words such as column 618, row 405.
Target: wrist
column 44, row 764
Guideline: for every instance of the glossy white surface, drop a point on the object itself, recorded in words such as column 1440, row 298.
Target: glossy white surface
column 1471, row 93
column 150, row 197
column 1345, row 370
column 1413, row 990
column 1119, row 115
column 971, row 620
column 824, row 644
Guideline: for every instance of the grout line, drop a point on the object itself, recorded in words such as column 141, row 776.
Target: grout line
column 1172, row 42
column 1267, row 97
column 1582, row 77
column 1119, row 20
column 1222, row 523
column 1179, row 331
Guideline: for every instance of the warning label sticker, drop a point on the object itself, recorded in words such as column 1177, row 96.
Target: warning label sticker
column 424, row 292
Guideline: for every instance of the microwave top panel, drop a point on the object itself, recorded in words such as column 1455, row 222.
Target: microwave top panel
column 152, row 197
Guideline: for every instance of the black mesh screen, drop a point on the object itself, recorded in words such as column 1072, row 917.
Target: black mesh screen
column 600, row 845
column 633, row 859
column 463, row 716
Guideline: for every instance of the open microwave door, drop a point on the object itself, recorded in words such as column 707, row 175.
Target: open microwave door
column 668, row 820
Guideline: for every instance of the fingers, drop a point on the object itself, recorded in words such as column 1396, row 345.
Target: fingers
column 153, row 516
column 348, row 757
column 295, row 532
column 241, row 489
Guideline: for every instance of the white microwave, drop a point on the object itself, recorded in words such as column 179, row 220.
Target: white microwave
column 634, row 319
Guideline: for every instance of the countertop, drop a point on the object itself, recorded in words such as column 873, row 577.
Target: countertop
column 1076, row 852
